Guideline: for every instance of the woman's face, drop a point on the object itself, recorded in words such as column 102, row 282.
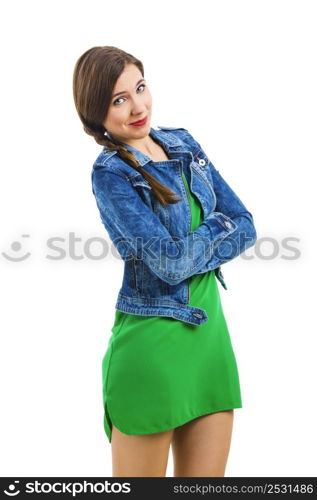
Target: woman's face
column 134, row 103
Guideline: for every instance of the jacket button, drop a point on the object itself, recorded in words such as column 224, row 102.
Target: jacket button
column 201, row 162
column 198, row 315
column 228, row 224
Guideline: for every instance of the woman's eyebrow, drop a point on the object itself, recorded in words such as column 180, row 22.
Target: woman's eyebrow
column 125, row 91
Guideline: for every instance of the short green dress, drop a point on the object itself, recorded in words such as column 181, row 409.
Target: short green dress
column 160, row 372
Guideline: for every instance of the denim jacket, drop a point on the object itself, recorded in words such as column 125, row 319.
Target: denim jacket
column 159, row 251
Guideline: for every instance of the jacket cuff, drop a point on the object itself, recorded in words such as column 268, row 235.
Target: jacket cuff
column 223, row 220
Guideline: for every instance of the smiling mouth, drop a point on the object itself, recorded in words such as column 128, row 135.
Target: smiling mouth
column 139, row 122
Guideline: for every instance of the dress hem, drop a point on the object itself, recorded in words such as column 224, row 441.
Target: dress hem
column 186, row 420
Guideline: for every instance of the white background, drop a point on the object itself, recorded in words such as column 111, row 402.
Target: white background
column 241, row 77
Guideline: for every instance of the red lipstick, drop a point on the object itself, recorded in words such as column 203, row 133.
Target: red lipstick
column 139, row 123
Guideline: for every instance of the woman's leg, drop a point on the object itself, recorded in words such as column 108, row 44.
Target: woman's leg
column 143, row 455
column 201, row 447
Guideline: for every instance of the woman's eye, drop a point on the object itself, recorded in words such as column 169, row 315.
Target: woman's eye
column 142, row 85
column 114, row 102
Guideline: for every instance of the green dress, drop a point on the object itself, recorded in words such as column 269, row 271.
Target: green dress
column 160, row 372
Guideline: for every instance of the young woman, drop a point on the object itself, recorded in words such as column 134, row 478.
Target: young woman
column 170, row 376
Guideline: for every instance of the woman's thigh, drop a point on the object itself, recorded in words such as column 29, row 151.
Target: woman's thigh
column 201, row 447
column 143, row 455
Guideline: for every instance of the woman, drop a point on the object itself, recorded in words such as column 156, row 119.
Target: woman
column 170, row 376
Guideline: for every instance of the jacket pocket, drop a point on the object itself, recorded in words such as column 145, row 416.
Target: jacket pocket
column 202, row 161
column 139, row 180
column 202, row 169
column 143, row 187
column 145, row 191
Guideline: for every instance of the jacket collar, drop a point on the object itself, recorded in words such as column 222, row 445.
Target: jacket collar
column 165, row 139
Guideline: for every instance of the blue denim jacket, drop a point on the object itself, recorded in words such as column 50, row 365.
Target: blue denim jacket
column 159, row 251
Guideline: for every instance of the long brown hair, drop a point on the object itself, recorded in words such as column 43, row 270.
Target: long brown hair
column 95, row 74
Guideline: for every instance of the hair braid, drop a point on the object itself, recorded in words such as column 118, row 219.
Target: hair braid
column 162, row 192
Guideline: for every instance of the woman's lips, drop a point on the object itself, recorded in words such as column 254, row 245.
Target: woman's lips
column 139, row 123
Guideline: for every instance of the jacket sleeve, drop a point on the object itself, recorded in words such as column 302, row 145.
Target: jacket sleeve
column 231, row 205
column 137, row 232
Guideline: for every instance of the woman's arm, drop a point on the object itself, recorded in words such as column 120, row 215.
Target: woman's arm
column 229, row 204
column 134, row 228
